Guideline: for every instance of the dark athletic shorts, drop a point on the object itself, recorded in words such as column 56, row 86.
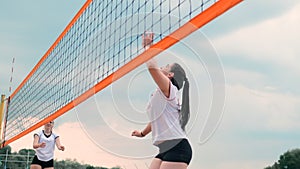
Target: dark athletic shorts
column 43, row 164
column 178, row 150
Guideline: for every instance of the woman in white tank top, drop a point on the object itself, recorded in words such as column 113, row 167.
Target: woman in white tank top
column 44, row 144
column 167, row 118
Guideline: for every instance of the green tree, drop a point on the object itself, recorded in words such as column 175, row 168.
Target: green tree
column 26, row 152
column 5, row 149
column 68, row 164
column 90, row 167
column 22, row 157
column 289, row 160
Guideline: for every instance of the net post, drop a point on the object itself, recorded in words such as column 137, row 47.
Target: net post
column 2, row 103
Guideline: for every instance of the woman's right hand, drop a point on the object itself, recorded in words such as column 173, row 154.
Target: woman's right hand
column 42, row 145
column 147, row 39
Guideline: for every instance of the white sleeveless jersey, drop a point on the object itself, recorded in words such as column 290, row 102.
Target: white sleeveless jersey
column 46, row 153
column 164, row 116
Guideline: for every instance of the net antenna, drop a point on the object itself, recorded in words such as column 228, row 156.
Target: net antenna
column 101, row 44
column 11, row 75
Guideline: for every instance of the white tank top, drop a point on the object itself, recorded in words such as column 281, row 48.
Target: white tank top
column 46, row 153
column 163, row 113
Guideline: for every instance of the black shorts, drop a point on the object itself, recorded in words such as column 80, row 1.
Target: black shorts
column 43, row 164
column 178, row 150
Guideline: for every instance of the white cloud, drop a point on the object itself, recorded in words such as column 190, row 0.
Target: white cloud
column 273, row 41
column 262, row 110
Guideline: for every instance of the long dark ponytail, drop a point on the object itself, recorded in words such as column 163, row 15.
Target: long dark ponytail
column 178, row 79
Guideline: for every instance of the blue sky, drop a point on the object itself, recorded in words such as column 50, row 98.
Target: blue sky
column 257, row 45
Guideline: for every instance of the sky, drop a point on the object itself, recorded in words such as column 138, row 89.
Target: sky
column 243, row 72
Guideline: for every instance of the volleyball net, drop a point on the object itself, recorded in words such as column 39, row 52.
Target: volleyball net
column 101, row 44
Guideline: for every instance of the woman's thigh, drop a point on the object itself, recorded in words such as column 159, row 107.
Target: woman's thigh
column 173, row 165
column 155, row 164
column 35, row 166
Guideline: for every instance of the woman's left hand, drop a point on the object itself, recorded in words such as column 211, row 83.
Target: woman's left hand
column 62, row 148
column 136, row 133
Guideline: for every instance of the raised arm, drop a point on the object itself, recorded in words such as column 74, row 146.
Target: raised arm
column 162, row 80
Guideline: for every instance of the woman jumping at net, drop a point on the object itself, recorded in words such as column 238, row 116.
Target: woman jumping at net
column 167, row 118
column 44, row 142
